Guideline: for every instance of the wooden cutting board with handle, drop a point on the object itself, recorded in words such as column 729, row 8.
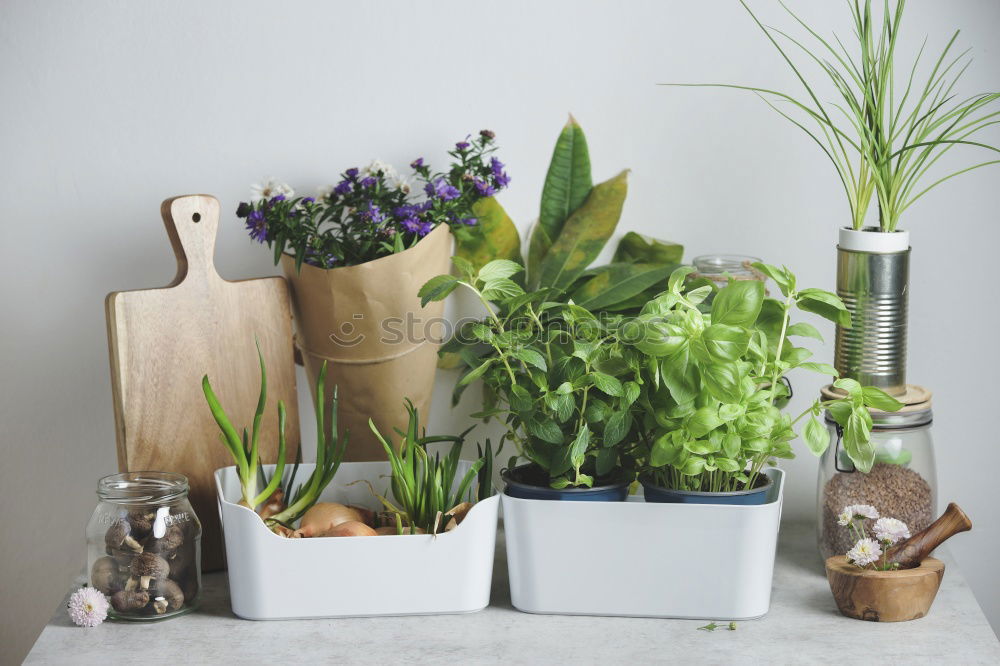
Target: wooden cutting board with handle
column 162, row 341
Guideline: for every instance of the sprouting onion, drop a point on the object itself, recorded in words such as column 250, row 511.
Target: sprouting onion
column 246, row 451
column 329, row 453
column 422, row 483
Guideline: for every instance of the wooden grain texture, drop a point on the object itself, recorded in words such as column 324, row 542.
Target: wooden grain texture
column 884, row 596
column 162, row 341
column 911, row 552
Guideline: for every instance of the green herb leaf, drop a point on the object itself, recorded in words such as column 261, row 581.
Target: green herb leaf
column 437, row 288
column 498, row 269
column 501, row 289
column 825, row 304
column 531, row 357
column 816, row 436
column 781, row 276
column 607, row 383
column 879, row 399
column 821, row 368
column 739, row 303
column 804, row 330
column 725, row 343
column 545, row 430
column 477, row 372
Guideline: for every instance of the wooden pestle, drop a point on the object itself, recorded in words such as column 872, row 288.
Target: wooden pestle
column 910, row 553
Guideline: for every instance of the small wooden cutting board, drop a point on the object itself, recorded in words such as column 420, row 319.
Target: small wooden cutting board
column 161, row 343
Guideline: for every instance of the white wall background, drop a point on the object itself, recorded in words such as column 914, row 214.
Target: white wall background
column 110, row 107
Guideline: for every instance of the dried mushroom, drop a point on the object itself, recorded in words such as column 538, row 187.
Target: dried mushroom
column 168, row 544
column 119, row 537
column 104, row 576
column 142, row 523
column 147, row 567
column 129, row 600
column 168, row 597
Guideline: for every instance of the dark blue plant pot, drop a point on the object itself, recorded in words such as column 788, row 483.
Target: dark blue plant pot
column 616, row 492
column 753, row 496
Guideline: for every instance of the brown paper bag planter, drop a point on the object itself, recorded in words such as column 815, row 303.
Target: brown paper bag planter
column 381, row 345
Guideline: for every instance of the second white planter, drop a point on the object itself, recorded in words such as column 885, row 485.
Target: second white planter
column 696, row 561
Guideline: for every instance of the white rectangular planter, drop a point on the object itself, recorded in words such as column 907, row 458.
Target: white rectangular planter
column 271, row 577
column 697, row 561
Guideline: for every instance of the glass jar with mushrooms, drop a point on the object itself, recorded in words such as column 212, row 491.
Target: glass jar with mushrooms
column 144, row 546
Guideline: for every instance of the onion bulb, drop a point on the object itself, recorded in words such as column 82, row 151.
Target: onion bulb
column 351, row 528
column 323, row 517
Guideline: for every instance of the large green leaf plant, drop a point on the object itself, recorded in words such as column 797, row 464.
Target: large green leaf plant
column 708, row 401
column 576, row 220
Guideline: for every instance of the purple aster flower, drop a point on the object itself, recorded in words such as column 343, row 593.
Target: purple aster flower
column 462, row 145
column 483, row 188
column 373, row 214
column 257, row 226
column 351, row 173
column 469, row 221
column 314, row 258
column 411, row 224
column 496, row 166
column 405, row 211
column 442, row 189
column 309, row 200
column 276, row 198
column 502, row 179
column 425, row 228
column 368, row 181
column 343, row 187
column 417, row 163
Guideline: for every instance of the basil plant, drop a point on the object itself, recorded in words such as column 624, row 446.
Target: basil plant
column 711, row 392
column 563, row 381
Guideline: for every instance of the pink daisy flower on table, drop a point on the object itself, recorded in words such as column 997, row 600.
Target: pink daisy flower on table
column 87, row 607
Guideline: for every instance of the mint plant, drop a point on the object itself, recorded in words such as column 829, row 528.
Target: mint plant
column 562, row 380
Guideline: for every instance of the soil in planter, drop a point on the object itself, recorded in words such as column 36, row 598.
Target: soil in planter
column 896, row 491
column 536, row 476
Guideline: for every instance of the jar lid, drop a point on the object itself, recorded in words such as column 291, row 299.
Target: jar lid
column 916, row 410
column 714, row 266
column 141, row 488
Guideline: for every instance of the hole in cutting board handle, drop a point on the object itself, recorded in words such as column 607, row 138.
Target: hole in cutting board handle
column 196, row 218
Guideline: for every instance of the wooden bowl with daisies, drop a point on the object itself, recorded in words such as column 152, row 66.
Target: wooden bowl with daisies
column 888, row 577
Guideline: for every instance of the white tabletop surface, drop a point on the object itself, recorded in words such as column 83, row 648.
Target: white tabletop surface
column 802, row 627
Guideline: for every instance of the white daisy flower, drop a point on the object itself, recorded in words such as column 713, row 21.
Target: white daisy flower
column 845, row 518
column 891, row 530
column 270, row 188
column 323, row 191
column 378, row 166
column 865, row 552
column 861, row 511
column 403, row 184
